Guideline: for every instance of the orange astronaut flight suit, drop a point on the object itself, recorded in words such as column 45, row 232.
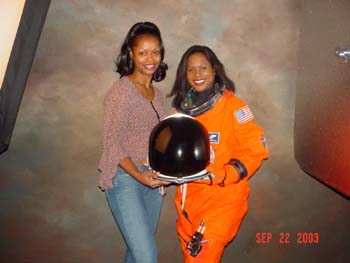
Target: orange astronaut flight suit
column 221, row 203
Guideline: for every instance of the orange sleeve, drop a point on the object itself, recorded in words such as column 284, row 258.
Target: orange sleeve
column 252, row 148
column 244, row 144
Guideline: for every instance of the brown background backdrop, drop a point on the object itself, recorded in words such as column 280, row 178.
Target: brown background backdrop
column 51, row 207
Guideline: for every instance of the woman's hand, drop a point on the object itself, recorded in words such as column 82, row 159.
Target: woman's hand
column 222, row 175
column 149, row 179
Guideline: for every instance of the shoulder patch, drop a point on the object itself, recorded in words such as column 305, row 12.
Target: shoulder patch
column 243, row 115
column 214, row 137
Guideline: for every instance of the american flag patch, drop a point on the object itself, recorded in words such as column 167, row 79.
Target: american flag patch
column 243, row 115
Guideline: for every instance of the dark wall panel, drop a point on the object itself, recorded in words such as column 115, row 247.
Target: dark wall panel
column 20, row 62
column 322, row 114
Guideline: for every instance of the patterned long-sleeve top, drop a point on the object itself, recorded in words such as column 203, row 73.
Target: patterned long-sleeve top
column 128, row 121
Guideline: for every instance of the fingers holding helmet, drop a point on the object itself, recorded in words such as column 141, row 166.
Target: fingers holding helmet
column 150, row 179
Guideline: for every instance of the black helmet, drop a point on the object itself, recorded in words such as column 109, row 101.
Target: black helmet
column 179, row 149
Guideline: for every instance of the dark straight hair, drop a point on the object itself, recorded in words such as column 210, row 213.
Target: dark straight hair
column 124, row 62
column 181, row 84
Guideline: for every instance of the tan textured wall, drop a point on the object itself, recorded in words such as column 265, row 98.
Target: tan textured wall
column 51, row 208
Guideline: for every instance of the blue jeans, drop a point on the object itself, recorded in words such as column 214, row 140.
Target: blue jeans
column 136, row 210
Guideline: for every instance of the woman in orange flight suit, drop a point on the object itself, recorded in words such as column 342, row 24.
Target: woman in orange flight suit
column 238, row 145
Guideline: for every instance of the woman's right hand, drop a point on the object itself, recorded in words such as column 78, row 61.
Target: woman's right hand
column 149, row 179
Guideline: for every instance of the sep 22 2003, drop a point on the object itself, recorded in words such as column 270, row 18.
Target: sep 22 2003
column 287, row 238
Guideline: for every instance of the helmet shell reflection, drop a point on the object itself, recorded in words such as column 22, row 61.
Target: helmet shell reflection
column 179, row 146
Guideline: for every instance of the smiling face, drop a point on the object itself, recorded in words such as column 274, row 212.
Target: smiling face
column 200, row 73
column 146, row 54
